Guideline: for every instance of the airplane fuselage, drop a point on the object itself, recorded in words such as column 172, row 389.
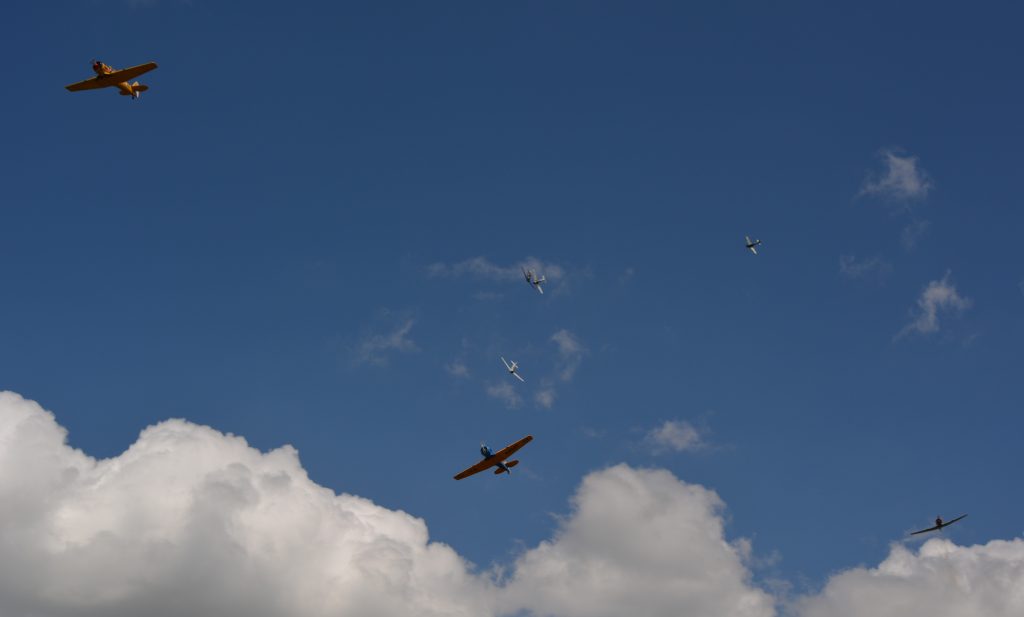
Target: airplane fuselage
column 124, row 87
column 486, row 453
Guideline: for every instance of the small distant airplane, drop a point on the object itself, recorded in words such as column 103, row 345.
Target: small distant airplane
column 939, row 525
column 512, row 369
column 752, row 245
column 492, row 459
column 110, row 77
column 531, row 278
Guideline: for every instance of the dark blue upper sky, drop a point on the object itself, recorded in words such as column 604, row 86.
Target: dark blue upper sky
column 222, row 249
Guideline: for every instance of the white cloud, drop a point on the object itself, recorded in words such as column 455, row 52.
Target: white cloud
column 938, row 296
column 677, row 435
column 902, row 178
column 506, row 393
column 940, row 580
column 638, row 542
column 483, row 268
column 570, row 353
column 375, row 348
column 191, row 521
column 873, row 266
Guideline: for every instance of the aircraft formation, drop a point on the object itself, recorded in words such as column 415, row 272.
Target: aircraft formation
column 109, row 77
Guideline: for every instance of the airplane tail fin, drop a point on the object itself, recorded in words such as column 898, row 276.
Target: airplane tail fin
column 139, row 87
column 511, row 463
column 499, row 471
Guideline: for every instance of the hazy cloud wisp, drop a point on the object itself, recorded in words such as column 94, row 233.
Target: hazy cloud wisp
column 937, row 296
column 902, row 179
column 676, row 436
column 375, row 348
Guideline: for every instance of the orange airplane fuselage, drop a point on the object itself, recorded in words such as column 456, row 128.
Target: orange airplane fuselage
column 126, row 88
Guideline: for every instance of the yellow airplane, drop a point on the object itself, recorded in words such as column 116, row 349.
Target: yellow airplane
column 107, row 76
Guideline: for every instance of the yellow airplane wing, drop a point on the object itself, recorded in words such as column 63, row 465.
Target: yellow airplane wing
column 112, row 79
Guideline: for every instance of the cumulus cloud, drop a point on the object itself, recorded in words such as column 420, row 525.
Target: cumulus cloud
column 190, row 521
column 506, row 393
column 940, row 580
column 675, row 435
column 375, row 348
column 570, row 353
column 937, row 296
column 483, row 268
column 902, row 179
column 638, row 542
column 875, row 266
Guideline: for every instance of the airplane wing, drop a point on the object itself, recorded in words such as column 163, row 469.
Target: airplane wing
column 505, row 363
column 508, row 451
column 131, row 72
column 948, row 523
column 475, row 469
column 519, row 377
column 936, row 527
column 90, row 84
column 112, row 79
column 539, row 288
column 753, row 249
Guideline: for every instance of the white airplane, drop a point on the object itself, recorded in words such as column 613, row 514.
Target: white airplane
column 752, row 245
column 513, row 369
column 531, row 278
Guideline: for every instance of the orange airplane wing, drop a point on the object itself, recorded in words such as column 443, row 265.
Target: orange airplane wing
column 132, row 72
column 112, row 79
column 90, row 84
column 475, row 469
column 508, row 451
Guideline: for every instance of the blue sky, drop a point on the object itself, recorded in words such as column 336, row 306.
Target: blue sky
column 236, row 248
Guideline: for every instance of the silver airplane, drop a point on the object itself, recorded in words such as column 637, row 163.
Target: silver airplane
column 531, row 278
column 513, row 369
column 752, row 245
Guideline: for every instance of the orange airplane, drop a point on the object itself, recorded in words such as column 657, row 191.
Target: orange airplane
column 495, row 459
column 107, row 76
